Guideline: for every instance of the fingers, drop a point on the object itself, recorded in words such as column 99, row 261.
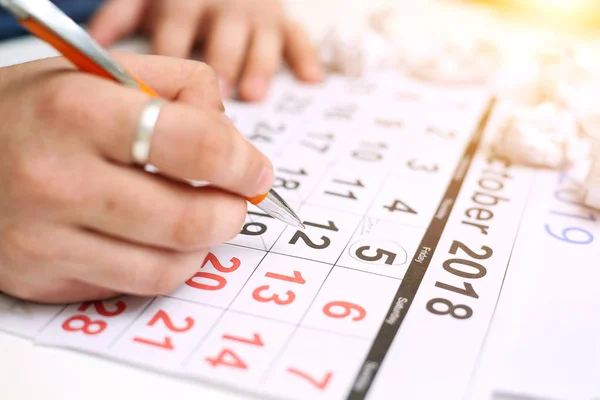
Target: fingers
column 264, row 58
column 58, row 263
column 54, row 291
column 188, row 81
column 140, row 208
column 205, row 146
column 36, row 265
column 226, row 47
column 188, row 143
column 301, row 54
column 126, row 268
column 115, row 20
column 176, row 27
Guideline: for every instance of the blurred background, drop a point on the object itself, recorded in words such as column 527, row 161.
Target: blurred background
column 520, row 29
column 573, row 15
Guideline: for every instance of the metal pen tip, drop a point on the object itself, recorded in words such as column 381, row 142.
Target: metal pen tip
column 276, row 207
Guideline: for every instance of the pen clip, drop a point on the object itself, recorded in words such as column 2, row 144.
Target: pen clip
column 46, row 21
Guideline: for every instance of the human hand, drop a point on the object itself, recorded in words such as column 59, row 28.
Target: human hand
column 245, row 41
column 77, row 221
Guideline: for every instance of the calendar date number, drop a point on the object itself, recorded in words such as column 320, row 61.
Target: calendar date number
column 91, row 326
column 316, row 382
column 323, row 242
column 212, row 281
column 227, row 357
column 344, row 309
column 262, row 293
column 230, row 357
column 166, row 342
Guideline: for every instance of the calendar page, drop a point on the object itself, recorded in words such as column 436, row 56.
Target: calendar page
column 388, row 292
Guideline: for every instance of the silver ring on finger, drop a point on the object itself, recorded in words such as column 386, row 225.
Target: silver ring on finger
column 142, row 142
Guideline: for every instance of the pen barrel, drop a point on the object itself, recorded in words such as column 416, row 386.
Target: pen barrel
column 72, row 54
column 79, row 59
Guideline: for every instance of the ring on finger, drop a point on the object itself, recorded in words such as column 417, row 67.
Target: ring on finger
column 142, row 141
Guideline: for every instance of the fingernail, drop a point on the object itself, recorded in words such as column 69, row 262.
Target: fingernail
column 258, row 86
column 224, row 87
column 265, row 181
column 314, row 71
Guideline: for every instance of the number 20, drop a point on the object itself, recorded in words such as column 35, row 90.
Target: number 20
column 220, row 280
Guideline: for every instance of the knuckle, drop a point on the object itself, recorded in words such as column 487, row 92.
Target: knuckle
column 29, row 178
column 58, row 101
column 40, row 180
column 203, row 76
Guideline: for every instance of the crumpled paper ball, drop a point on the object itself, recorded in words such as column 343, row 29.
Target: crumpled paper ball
column 590, row 125
column 542, row 136
column 451, row 60
column 352, row 51
column 592, row 185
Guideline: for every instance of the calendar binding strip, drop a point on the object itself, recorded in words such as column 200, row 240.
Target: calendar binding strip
column 416, row 271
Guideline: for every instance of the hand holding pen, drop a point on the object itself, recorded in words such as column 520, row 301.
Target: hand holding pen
column 77, row 221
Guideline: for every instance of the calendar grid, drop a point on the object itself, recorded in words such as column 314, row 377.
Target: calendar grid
column 369, row 272
column 385, row 336
column 46, row 324
column 283, row 254
column 270, row 251
column 333, row 266
column 195, row 349
column 324, row 330
column 168, row 296
column 267, row 249
column 246, row 282
column 132, row 322
column 305, row 345
column 221, row 316
column 362, row 217
column 323, row 262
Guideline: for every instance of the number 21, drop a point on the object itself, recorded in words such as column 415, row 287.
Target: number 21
column 167, row 342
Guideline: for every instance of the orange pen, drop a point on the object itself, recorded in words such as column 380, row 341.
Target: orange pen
column 46, row 21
